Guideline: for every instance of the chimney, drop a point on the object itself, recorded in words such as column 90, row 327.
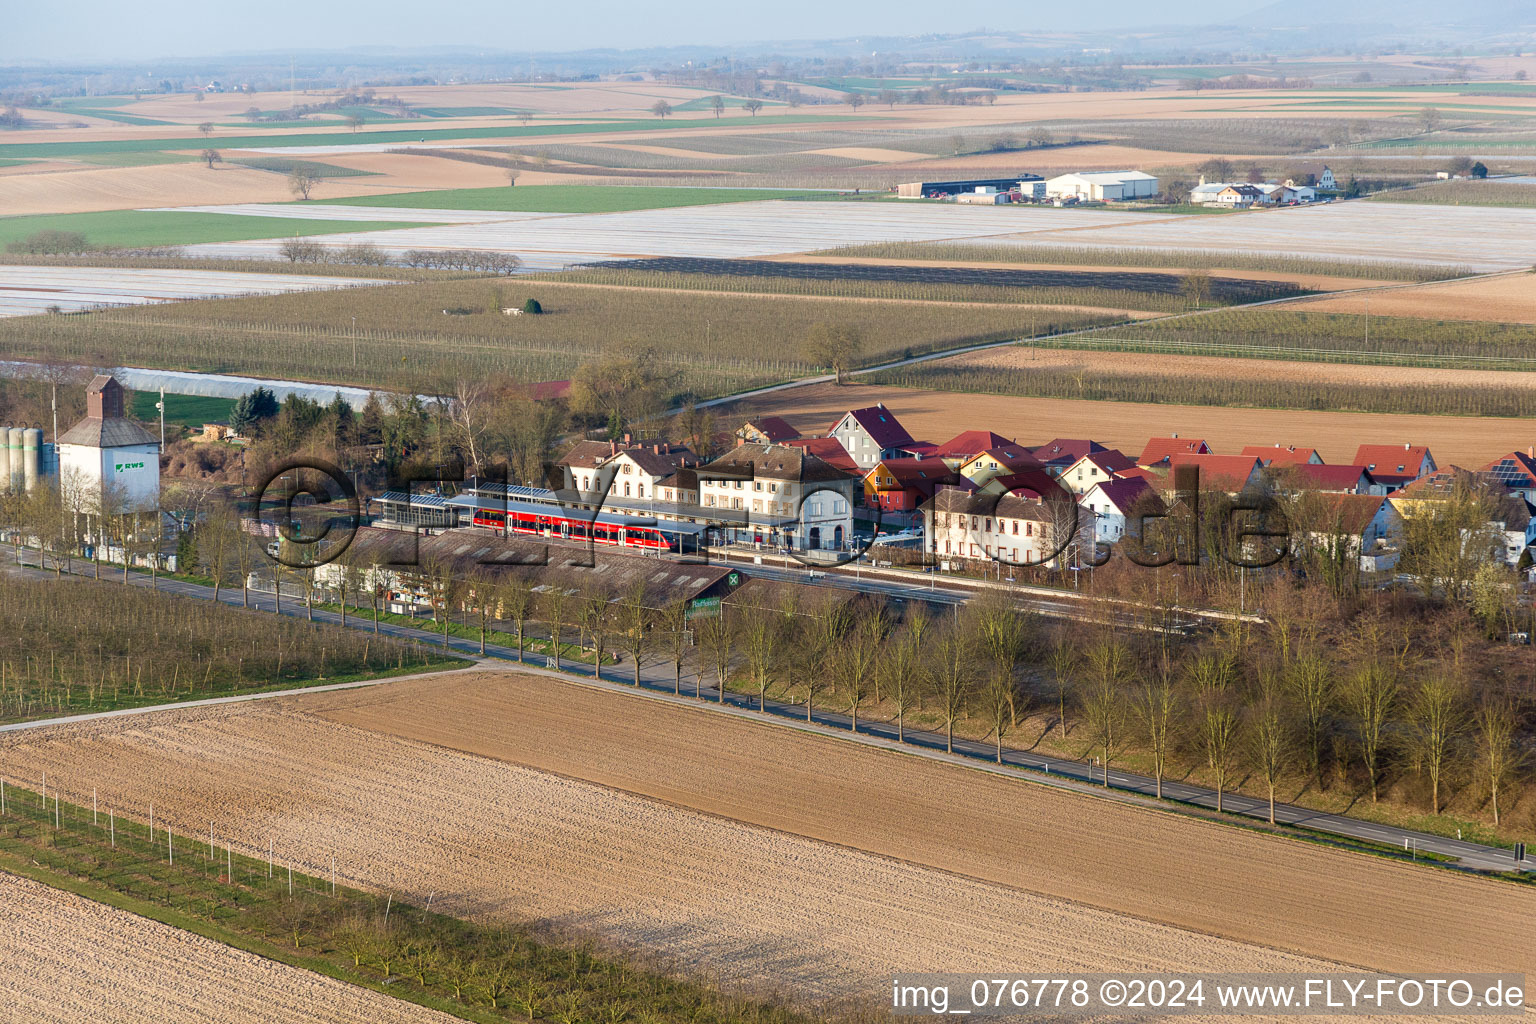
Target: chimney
column 629, row 439
column 1406, row 446
column 1531, row 452
column 613, row 447
column 657, row 448
column 1175, row 435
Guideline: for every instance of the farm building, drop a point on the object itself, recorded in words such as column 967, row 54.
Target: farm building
column 1104, row 186
column 929, row 189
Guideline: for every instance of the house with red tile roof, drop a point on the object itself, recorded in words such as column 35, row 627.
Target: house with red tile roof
column 1284, row 455
column 1095, row 468
column 1161, row 450
column 1230, row 473
column 829, row 450
column 1517, row 471
column 1364, row 530
column 1395, row 466
column 1111, row 503
column 1059, row 453
column 1309, row 476
column 767, row 430
column 903, row 484
column 869, row 435
column 999, row 461
column 1034, row 484
column 968, row 443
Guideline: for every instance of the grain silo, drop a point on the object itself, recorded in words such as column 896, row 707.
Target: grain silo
column 5, row 460
column 13, row 478
column 31, row 448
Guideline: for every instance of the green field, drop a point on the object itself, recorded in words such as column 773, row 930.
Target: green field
column 182, row 410
column 136, row 228
column 573, row 198
column 68, row 149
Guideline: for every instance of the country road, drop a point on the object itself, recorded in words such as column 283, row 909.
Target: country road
column 657, row 682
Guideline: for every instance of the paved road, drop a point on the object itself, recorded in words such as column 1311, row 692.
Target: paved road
column 658, row 680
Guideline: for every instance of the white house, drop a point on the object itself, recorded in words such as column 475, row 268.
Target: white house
column 1111, row 503
column 869, row 435
column 778, row 494
column 107, row 462
column 1105, row 186
column 1206, row 193
column 1326, row 180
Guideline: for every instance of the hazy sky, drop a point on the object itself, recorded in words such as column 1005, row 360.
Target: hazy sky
column 147, row 29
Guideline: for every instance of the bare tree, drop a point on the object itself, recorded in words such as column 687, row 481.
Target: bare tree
column 1310, row 681
column 718, row 633
column 512, row 175
column 354, row 122
column 1497, row 723
column 1109, row 667
column 482, row 588
column 902, row 668
column 638, row 619
column 661, row 108
column 717, row 103
column 554, row 609
column 206, row 128
column 515, row 595
column 1063, row 660
column 953, row 659
column 302, row 182
column 1371, row 693
column 211, row 157
column 470, row 412
column 752, row 106
column 1211, row 678
column 761, row 629
column 674, row 622
column 1004, row 634
column 1271, row 737
column 1437, row 720
column 595, row 619
column 1158, row 703
column 835, row 346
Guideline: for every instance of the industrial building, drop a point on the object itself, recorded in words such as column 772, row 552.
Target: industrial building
column 930, row 189
column 1103, row 186
column 107, row 462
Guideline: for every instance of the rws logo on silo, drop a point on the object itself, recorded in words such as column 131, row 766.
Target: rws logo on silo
column 129, row 465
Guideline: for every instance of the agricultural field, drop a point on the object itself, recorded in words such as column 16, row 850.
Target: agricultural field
column 404, row 338
column 71, row 959
column 569, row 199
column 1465, row 193
column 1139, row 290
column 1296, row 332
column 1509, row 299
column 736, row 874
column 112, row 647
column 129, row 229
column 190, row 411
column 31, row 289
column 1463, row 440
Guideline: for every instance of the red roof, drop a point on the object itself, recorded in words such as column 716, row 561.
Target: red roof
column 1124, row 493
column 1392, row 459
column 829, row 450
column 1517, row 469
column 1162, row 449
column 1112, row 461
column 1015, row 458
column 921, row 475
column 1227, row 472
column 1138, row 473
column 773, row 428
column 1352, row 513
column 1330, row 478
column 1282, row 455
column 880, row 424
column 1031, row 483
column 1063, row 451
column 920, row 447
column 544, row 390
column 971, row 442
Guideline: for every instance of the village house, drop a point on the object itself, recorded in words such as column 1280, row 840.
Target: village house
column 1517, row 471
column 1308, row 476
column 871, row 434
column 780, row 495
column 1112, row 502
column 964, row 525
column 1395, row 467
column 766, row 430
column 1283, row 455
column 903, row 484
column 1231, row 473
column 1095, row 468
column 1159, row 450
column 995, row 462
column 1363, row 529
column 1059, row 453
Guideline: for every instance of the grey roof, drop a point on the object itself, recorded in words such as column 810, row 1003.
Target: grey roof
column 108, row 433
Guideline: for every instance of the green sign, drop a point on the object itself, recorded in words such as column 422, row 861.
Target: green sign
column 129, row 465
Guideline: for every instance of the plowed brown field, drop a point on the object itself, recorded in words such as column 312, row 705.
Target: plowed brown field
column 514, row 795
column 940, row 415
column 65, row 959
column 1508, row 298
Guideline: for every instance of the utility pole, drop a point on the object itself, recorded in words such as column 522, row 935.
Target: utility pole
column 161, row 406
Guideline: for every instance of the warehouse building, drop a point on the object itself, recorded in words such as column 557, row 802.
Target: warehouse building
column 930, row 189
column 107, row 462
column 1103, row 186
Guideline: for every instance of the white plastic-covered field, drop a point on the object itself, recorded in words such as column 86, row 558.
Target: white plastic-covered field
column 728, row 230
column 1476, row 237
column 25, row 290
column 1479, row 238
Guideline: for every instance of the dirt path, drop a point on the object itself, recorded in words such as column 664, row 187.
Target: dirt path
column 65, row 959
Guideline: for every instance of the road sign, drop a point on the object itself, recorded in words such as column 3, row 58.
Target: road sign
column 1519, row 852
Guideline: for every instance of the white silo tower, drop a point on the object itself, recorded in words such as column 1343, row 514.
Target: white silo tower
column 31, row 448
column 13, row 480
column 5, row 459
